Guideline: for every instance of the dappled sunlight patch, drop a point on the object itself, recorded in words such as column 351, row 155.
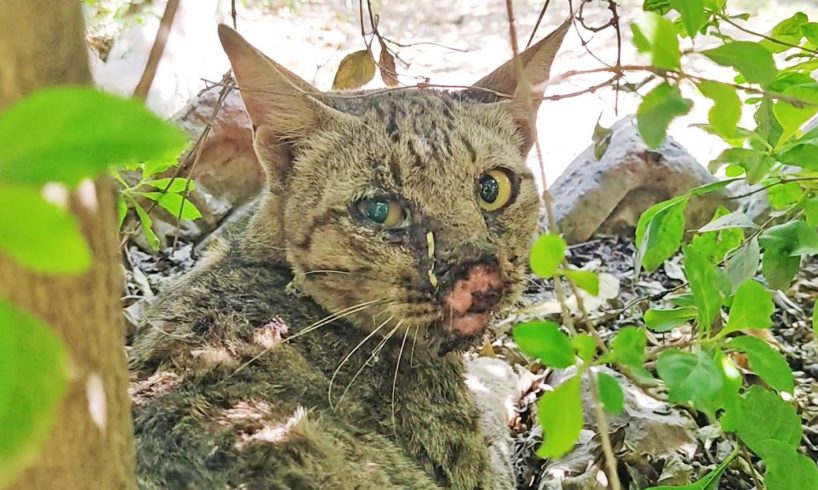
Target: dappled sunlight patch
column 158, row 385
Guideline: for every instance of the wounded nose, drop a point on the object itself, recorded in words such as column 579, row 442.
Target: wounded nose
column 469, row 303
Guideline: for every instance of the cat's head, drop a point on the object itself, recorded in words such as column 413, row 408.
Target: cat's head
column 409, row 211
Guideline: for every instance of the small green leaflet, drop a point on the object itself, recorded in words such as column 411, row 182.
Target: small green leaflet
column 708, row 285
column 175, row 204
column 783, row 246
column 33, row 374
column 147, row 226
column 610, row 393
column 545, row 341
column 767, row 362
column 756, row 163
column 84, row 133
column 547, row 254
column 666, row 320
column 752, row 308
column 173, row 184
column 688, row 377
column 587, row 280
column 40, row 235
column 628, row 347
column 657, row 109
column 752, row 60
column 726, row 110
column 692, row 12
column 585, row 346
column 784, row 195
column 656, row 36
column 560, row 415
column 792, row 117
column 659, row 233
column 789, row 31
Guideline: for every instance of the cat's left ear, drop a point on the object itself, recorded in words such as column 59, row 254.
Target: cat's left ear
column 536, row 61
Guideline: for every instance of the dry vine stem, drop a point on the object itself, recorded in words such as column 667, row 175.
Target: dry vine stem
column 524, row 91
column 145, row 82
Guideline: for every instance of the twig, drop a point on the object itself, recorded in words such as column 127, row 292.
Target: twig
column 144, row 85
column 537, row 24
column 423, row 43
column 778, row 182
column 233, row 13
column 764, row 36
column 524, row 87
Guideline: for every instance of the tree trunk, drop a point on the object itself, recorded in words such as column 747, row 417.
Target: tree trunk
column 91, row 446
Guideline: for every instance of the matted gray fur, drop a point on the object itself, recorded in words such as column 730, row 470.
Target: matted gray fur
column 315, row 349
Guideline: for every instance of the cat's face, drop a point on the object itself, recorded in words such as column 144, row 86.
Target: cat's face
column 404, row 211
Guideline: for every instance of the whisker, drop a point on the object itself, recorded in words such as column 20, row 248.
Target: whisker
column 346, row 358
column 320, row 323
column 372, row 356
column 395, row 382
column 414, row 341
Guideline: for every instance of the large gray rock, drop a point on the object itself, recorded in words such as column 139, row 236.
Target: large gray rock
column 608, row 195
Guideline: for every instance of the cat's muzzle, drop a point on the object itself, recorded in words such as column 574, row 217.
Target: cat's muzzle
column 469, row 304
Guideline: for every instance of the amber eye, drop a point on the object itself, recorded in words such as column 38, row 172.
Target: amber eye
column 382, row 211
column 494, row 189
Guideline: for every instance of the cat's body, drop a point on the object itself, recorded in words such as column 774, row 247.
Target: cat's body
column 379, row 253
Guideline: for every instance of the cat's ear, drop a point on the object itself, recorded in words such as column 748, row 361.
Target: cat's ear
column 276, row 99
column 536, row 61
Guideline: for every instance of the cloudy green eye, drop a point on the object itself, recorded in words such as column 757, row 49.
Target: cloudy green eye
column 382, row 211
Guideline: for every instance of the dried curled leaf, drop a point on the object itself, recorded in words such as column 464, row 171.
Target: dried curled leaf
column 389, row 74
column 355, row 70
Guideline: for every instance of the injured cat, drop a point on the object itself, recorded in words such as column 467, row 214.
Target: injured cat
column 322, row 347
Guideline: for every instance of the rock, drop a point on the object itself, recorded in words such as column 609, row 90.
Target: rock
column 607, row 196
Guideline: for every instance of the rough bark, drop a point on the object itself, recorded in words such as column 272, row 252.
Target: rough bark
column 41, row 44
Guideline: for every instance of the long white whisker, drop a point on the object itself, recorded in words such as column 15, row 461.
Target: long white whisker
column 414, row 341
column 395, row 383
column 346, row 358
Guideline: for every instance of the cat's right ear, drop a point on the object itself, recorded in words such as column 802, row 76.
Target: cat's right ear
column 280, row 104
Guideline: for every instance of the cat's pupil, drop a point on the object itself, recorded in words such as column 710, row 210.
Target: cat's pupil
column 377, row 210
column 489, row 189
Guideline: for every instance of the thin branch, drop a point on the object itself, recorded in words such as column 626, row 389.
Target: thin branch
column 233, row 13
column 144, row 85
column 524, row 88
column 537, row 24
column 423, row 43
column 766, row 37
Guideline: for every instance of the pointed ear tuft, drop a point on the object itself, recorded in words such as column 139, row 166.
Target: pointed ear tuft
column 536, row 61
column 275, row 97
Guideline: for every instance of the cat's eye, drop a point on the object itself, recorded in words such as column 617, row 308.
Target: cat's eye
column 494, row 189
column 383, row 211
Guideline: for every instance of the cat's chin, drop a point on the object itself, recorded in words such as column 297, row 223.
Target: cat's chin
column 469, row 324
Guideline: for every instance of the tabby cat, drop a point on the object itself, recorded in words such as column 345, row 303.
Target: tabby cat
column 323, row 346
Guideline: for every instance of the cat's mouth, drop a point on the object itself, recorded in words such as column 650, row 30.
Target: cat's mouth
column 469, row 305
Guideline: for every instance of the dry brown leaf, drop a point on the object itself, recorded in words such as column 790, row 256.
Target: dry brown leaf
column 355, row 70
column 389, row 74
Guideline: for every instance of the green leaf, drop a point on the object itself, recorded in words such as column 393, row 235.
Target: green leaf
column 756, row 163
column 768, row 128
column 585, row 346
column 793, row 115
column 610, row 393
column 767, row 362
column 783, row 245
column 751, row 308
column 710, row 481
column 688, row 377
column 656, row 36
column 804, row 156
column 659, row 233
column 560, row 415
column 545, row 341
column 789, row 31
column 763, row 417
column 33, row 374
column 174, row 204
column 661, row 6
column 810, row 30
column 628, row 346
column 752, row 60
column 39, row 235
column 784, row 195
column 815, row 320
column 547, row 254
column 787, row 469
column 587, row 280
column 67, row 134
column 173, row 184
column 666, row 320
column 736, row 219
column 147, row 226
column 726, row 110
column 657, row 109
column 693, row 16
column 121, row 209
column 729, row 396
column 708, row 285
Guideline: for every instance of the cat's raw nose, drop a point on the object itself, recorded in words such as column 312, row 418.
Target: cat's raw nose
column 469, row 303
